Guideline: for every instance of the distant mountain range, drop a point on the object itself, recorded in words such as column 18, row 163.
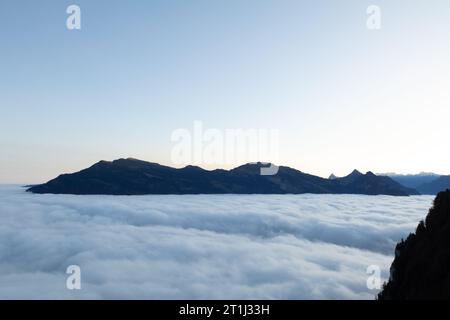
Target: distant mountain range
column 424, row 183
column 136, row 177
column 442, row 183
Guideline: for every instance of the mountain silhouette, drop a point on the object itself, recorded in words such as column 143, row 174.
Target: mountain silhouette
column 421, row 268
column 136, row 177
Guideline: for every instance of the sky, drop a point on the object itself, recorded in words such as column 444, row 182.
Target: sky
column 340, row 95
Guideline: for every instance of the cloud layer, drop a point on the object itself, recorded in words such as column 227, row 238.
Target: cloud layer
column 199, row 247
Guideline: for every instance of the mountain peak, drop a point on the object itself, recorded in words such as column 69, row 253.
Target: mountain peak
column 352, row 176
column 127, row 160
column 193, row 168
column 251, row 167
column 355, row 173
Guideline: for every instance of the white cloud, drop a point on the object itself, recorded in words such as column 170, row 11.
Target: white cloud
column 199, row 247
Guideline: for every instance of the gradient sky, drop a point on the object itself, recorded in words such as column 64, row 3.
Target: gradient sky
column 343, row 97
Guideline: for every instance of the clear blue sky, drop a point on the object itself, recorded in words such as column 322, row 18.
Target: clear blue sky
column 343, row 97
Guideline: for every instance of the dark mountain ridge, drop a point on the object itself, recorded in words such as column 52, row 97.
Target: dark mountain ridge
column 136, row 177
column 421, row 268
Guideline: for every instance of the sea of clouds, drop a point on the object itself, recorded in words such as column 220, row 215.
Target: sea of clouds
column 199, row 247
